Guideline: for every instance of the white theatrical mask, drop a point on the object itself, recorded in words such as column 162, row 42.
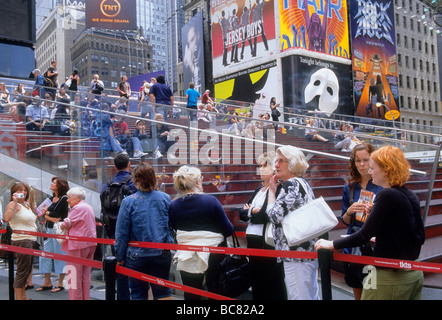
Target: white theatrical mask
column 323, row 83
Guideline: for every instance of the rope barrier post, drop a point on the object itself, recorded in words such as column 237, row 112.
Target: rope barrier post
column 110, row 276
column 325, row 258
column 11, row 275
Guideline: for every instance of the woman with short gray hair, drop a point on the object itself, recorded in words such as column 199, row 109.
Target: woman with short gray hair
column 289, row 191
column 80, row 223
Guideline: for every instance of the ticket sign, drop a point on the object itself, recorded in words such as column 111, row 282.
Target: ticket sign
column 111, row 14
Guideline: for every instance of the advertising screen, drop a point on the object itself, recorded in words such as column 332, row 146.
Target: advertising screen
column 315, row 25
column 243, row 34
column 111, row 14
column 193, row 52
column 375, row 72
column 312, row 84
column 253, row 86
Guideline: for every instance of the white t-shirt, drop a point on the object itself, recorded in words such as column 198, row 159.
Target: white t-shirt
column 24, row 219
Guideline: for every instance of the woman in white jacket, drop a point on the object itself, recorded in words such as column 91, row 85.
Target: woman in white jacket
column 198, row 219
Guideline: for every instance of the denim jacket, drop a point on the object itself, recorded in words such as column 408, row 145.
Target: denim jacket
column 143, row 217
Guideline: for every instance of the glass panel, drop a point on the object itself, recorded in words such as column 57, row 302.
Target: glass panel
column 76, row 144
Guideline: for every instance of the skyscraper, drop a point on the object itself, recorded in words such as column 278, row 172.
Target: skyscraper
column 151, row 18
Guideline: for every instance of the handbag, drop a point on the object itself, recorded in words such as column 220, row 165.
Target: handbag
column 5, row 239
column 58, row 230
column 234, row 273
column 309, row 221
column 268, row 234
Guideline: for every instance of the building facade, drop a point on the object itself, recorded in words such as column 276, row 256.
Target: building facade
column 111, row 55
column 418, row 64
column 61, row 25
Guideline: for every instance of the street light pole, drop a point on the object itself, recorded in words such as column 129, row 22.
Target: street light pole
column 378, row 105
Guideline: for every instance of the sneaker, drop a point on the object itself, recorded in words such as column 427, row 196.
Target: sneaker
column 123, row 152
column 139, row 154
column 158, row 154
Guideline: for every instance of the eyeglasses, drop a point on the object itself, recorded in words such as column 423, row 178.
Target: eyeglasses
column 279, row 161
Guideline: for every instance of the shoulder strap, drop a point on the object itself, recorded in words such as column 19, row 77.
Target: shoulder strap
column 59, row 200
column 126, row 180
column 302, row 184
column 235, row 240
column 351, row 189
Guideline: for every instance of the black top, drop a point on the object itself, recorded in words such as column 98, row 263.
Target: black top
column 259, row 217
column 199, row 212
column 396, row 222
column 58, row 209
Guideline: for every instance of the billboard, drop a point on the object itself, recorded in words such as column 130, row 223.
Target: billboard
column 17, row 21
column 111, row 14
column 253, row 86
column 243, row 34
column 192, row 38
column 312, row 84
column 375, row 71
column 315, row 25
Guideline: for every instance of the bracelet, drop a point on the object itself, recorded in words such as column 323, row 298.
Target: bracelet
column 249, row 213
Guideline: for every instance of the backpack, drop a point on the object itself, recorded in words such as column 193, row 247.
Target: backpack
column 48, row 81
column 111, row 199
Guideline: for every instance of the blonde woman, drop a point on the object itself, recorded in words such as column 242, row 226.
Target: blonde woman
column 266, row 274
column 198, row 219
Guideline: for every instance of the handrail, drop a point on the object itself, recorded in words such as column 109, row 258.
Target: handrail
column 234, row 103
column 368, row 125
column 308, row 151
column 231, row 103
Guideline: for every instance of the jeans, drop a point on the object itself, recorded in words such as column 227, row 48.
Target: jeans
column 137, row 144
column 115, row 145
column 146, row 108
column 192, row 114
column 155, row 266
column 164, row 110
column 52, row 245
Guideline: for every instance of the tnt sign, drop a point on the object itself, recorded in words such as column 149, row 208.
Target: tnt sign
column 111, row 14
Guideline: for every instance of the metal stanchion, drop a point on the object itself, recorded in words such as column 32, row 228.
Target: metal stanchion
column 11, row 275
column 325, row 258
column 110, row 276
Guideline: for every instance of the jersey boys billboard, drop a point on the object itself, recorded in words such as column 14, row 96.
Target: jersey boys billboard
column 374, row 57
column 111, row 14
column 243, row 31
column 315, row 25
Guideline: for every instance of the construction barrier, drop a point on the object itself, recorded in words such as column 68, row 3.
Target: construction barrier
column 325, row 257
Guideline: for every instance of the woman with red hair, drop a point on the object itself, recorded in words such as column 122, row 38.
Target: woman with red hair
column 396, row 223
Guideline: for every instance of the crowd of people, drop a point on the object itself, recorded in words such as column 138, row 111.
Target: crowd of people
column 382, row 215
column 373, row 202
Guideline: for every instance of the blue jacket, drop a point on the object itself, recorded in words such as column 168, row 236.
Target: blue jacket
column 143, row 217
